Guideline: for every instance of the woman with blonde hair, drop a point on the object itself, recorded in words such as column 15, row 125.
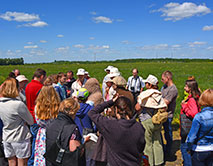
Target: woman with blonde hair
column 46, row 109
column 15, row 117
column 64, row 124
column 200, row 137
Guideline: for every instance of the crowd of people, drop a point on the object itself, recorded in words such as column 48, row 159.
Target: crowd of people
column 59, row 120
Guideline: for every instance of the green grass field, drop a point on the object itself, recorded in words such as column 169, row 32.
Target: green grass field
column 203, row 72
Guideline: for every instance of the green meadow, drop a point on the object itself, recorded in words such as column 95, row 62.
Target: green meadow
column 202, row 70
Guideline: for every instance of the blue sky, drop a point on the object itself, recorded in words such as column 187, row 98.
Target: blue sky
column 48, row 30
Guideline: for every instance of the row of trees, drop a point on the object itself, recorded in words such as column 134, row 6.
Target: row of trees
column 14, row 61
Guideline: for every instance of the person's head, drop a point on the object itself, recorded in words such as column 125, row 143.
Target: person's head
column 48, row 81
column 119, row 82
column 191, row 87
column 22, row 81
column 191, row 77
column 123, row 108
column 107, row 70
column 61, row 78
column 166, row 77
column 109, row 82
column 69, row 74
column 39, row 75
column 135, row 72
column 86, row 75
column 80, row 74
column 206, row 98
column 69, row 106
column 82, row 95
column 151, row 82
column 114, row 72
column 9, row 88
column 47, row 103
column 11, row 75
column 16, row 72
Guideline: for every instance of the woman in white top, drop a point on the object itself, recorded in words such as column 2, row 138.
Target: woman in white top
column 15, row 117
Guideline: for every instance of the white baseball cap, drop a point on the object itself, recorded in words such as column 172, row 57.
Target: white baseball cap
column 108, row 68
column 21, row 78
column 151, row 79
column 80, row 72
column 114, row 72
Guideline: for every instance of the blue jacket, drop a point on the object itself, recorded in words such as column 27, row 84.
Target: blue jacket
column 82, row 114
column 60, row 93
column 201, row 124
column 1, row 127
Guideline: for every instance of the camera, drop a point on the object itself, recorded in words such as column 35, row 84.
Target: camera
column 132, row 88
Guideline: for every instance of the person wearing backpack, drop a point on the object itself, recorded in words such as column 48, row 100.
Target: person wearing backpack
column 153, row 109
column 189, row 108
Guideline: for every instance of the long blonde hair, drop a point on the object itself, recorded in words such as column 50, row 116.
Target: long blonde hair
column 47, row 103
column 9, row 88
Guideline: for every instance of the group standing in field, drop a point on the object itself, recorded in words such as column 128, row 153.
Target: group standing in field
column 59, row 120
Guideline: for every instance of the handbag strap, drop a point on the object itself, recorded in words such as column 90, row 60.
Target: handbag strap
column 207, row 132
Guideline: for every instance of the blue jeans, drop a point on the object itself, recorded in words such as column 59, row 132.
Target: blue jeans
column 34, row 130
column 168, row 135
column 187, row 161
column 202, row 158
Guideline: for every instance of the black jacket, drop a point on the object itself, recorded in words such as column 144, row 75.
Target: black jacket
column 124, row 138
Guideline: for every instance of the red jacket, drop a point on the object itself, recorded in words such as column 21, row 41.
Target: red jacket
column 190, row 108
column 31, row 92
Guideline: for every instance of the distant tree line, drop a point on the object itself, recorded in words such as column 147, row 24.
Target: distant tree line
column 12, row 61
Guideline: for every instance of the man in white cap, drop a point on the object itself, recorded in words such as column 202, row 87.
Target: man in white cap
column 79, row 83
column 22, row 85
column 107, row 70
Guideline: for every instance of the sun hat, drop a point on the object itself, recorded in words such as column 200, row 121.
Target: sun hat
column 80, row 72
column 82, row 94
column 119, row 81
column 108, row 68
column 87, row 73
column 108, row 79
column 151, row 79
column 21, row 78
column 114, row 72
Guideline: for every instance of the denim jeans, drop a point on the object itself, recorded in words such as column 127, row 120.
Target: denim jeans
column 34, row 130
column 202, row 158
column 168, row 135
column 187, row 161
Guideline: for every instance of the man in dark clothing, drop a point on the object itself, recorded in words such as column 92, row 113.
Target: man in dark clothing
column 124, row 136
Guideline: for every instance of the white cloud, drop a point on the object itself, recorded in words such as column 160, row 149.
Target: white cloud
column 210, row 48
column 18, row 51
column 105, row 46
column 19, row 16
column 208, row 28
column 125, row 42
column 29, row 42
column 175, row 11
column 93, row 13
column 176, row 46
column 97, row 47
column 33, row 46
column 43, row 41
column 60, row 35
column 63, row 48
column 155, row 47
column 36, row 24
column 102, row 19
column 78, row 46
column 92, row 38
column 197, row 43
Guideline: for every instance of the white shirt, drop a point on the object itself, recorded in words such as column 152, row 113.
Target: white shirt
column 75, row 87
column 137, row 83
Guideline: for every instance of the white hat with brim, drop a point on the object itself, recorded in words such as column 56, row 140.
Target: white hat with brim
column 108, row 68
column 21, row 78
column 108, row 79
column 114, row 72
column 80, row 72
column 151, row 79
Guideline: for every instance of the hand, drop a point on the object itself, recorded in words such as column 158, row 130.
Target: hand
column 115, row 97
column 137, row 107
column 183, row 102
column 87, row 139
